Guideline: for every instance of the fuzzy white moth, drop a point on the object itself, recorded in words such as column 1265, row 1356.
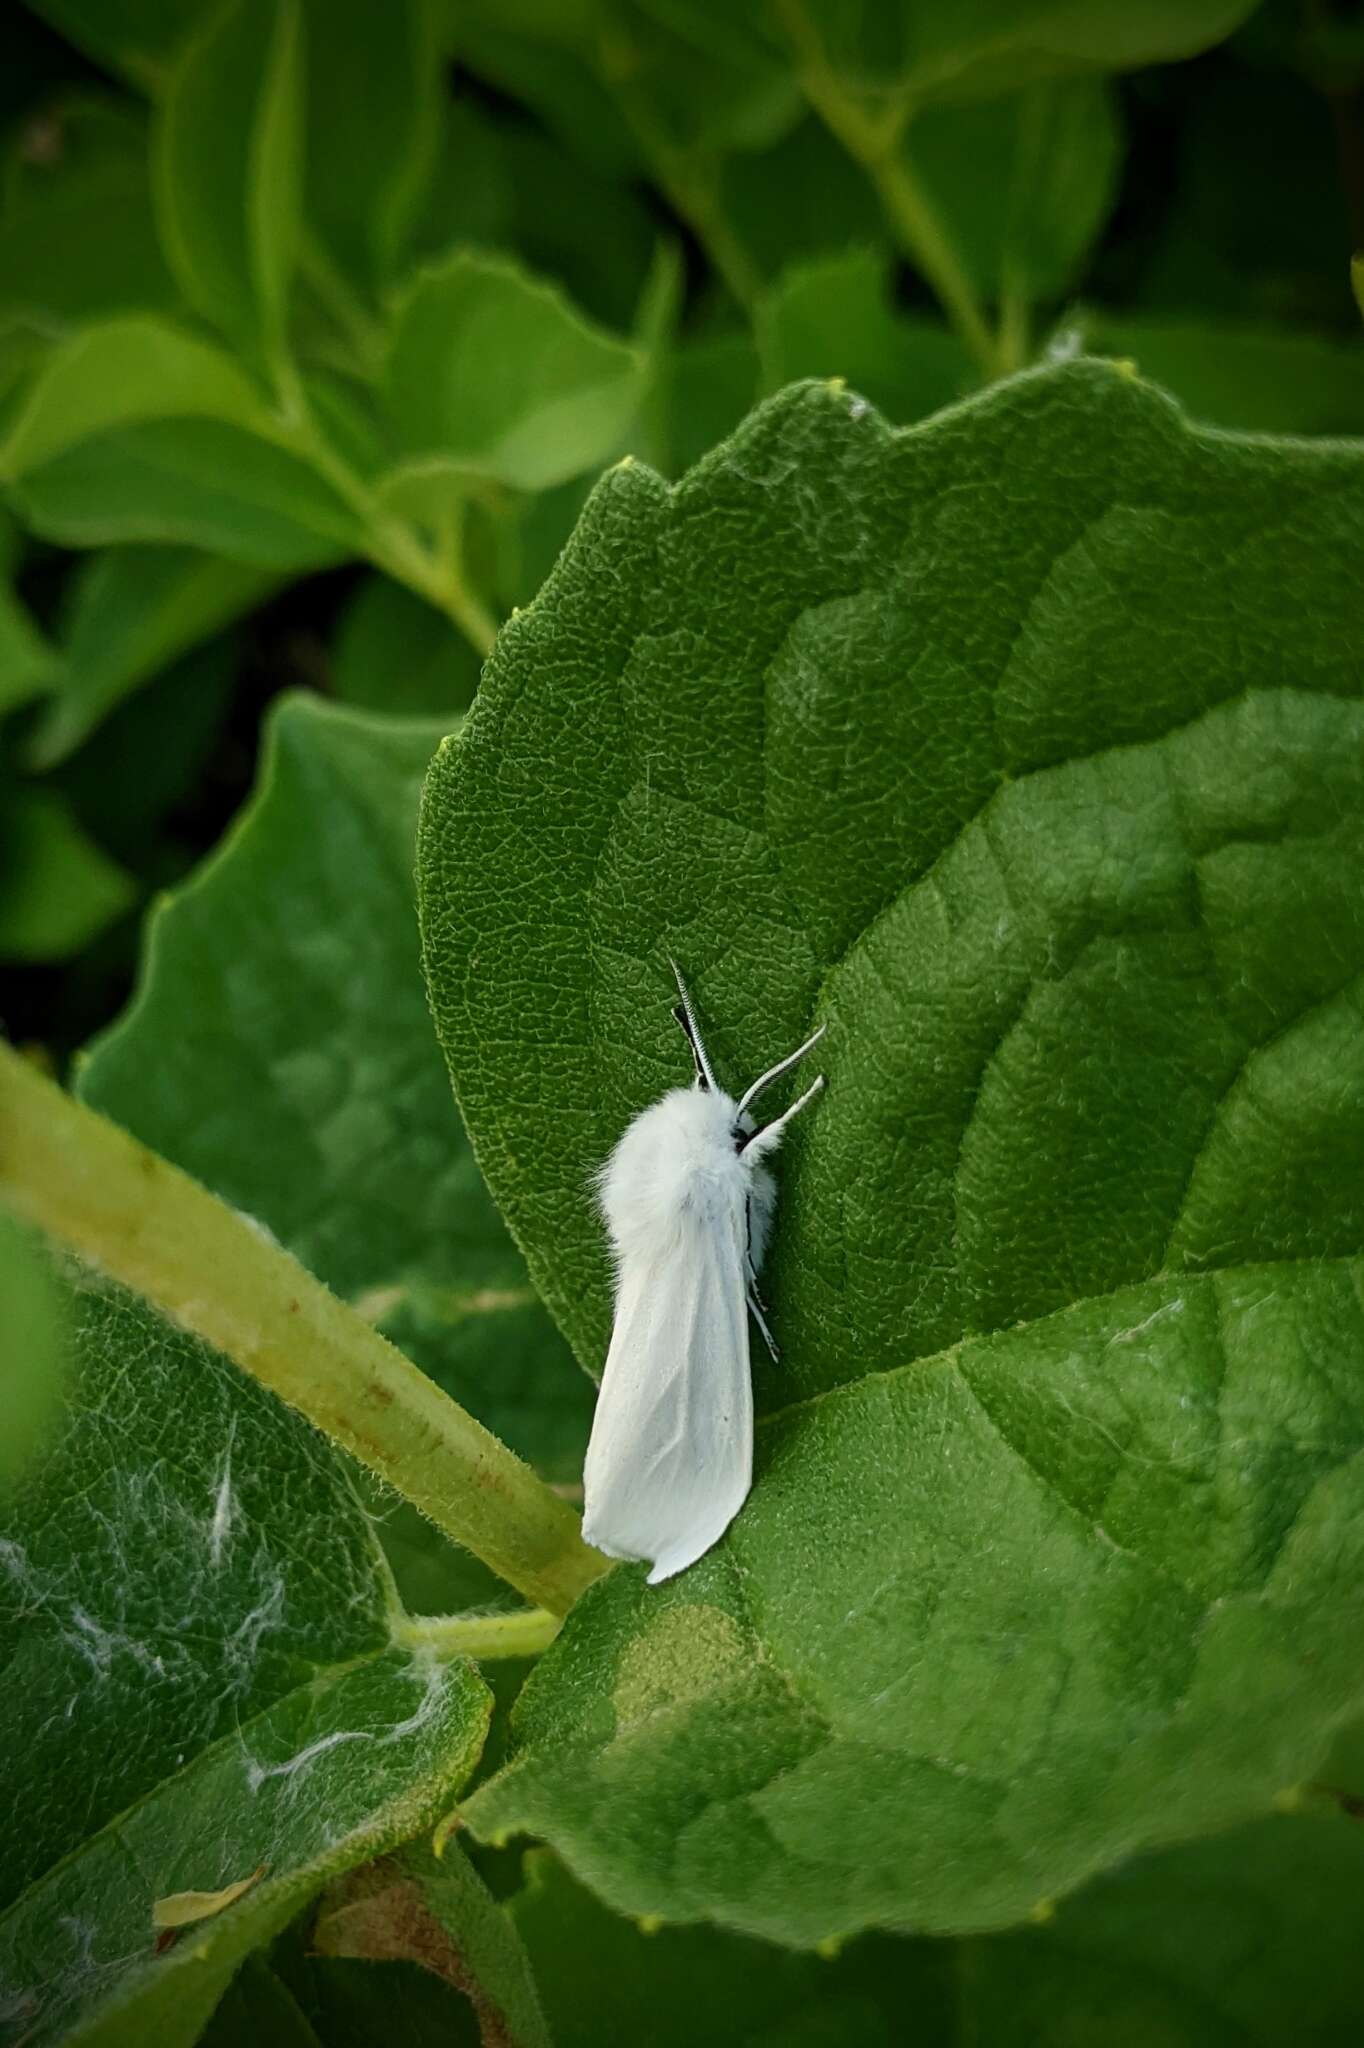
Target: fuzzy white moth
column 688, row 1204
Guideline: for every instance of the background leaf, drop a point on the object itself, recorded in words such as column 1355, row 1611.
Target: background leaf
column 1089, row 969
column 197, row 1631
column 132, row 613
column 228, row 169
column 497, row 377
column 57, row 887
column 323, row 1110
column 394, row 653
column 833, row 318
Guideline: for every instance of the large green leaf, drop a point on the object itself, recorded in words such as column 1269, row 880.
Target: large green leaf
column 228, row 169
column 201, row 1680
column 1023, row 750
column 31, row 1349
column 279, row 1049
column 493, row 375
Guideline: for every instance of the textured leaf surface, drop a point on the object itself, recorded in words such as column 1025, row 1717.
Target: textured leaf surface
column 1022, row 749
column 201, row 1678
column 280, row 1050
column 32, row 1345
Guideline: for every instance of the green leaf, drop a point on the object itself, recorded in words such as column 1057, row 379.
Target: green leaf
column 439, row 1914
column 494, row 376
column 78, row 240
column 833, row 318
column 606, row 1982
column 381, row 66
column 801, row 198
column 507, row 186
column 324, row 1111
column 1023, row 749
column 227, row 169
column 921, row 54
column 1236, row 375
column 28, row 661
column 57, row 887
column 136, row 430
column 136, row 367
column 201, row 1680
column 137, row 37
column 392, row 652
column 133, row 612
column 1022, row 185
column 1246, row 1939
column 32, row 1347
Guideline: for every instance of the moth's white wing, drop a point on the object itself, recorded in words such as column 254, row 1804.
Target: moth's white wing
column 670, row 1462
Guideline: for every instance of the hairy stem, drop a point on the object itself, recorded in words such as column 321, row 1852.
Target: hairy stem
column 479, row 1635
column 139, row 1219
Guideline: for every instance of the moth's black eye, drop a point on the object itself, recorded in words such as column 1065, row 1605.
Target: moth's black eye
column 739, row 1136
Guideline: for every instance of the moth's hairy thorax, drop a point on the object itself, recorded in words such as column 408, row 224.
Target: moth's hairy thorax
column 677, row 1168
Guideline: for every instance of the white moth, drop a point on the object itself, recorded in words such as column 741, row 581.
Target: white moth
column 688, row 1204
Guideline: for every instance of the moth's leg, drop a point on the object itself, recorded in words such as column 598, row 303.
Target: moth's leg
column 755, row 1309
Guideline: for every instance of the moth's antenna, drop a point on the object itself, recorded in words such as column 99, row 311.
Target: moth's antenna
column 686, row 1017
column 770, row 1134
column 775, row 1073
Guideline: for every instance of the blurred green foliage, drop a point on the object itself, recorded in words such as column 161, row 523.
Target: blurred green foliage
column 316, row 320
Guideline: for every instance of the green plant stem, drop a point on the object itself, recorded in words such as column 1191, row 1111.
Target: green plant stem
column 484, row 1636
column 689, row 181
column 878, row 146
column 134, row 1216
